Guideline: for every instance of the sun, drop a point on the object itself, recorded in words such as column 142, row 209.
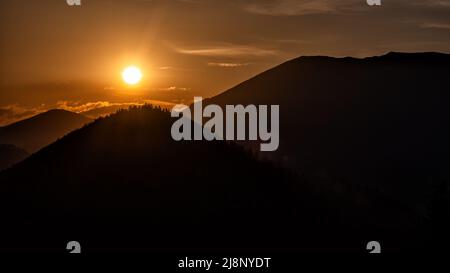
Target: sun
column 132, row 75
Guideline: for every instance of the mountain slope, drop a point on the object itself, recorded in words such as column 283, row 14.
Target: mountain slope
column 36, row 132
column 379, row 122
column 122, row 183
column 124, row 176
column 10, row 155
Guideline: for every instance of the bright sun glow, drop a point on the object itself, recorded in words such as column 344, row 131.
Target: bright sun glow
column 132, row 75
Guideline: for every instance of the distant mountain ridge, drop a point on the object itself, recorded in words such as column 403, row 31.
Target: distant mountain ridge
column 379, row 122
column 38, row 131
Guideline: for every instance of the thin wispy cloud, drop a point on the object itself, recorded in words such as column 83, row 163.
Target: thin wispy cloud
column 227, row 51
column 228, row 65
column 436, row 25
column 79, row 107
column 312, row 7
column 432, row 3
column 299, row 7
column 293, row 41
column 174, row 88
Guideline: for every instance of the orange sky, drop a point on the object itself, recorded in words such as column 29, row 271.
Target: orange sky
column 51, row 54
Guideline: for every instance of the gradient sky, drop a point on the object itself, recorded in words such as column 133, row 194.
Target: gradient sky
column 54, row 55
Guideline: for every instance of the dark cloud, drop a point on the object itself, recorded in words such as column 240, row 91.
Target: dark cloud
column 300, row 7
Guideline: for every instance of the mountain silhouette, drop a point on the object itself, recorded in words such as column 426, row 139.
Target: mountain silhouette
column 122, row 183
column 36, row 132
column 10, row 155
column 379, row 123
column 123, row 176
